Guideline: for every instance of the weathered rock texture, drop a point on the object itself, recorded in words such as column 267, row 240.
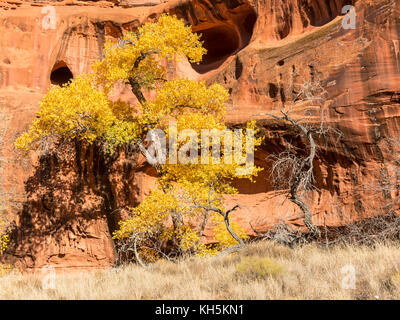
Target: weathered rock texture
column 65, row 209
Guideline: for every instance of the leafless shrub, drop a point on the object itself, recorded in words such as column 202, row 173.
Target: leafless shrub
column 387, row 184
column 290, row 169
column 45, row 145
column 145, row 249
column 386, row 225
column 368, row 232
column 282, row 234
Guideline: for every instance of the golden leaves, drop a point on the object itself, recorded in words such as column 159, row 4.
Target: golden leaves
column 83, row 110
column 167, row 38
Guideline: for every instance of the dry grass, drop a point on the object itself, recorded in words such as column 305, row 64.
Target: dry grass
column 308, row 272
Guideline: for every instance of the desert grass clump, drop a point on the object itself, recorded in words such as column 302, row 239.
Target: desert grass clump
column 258, row 268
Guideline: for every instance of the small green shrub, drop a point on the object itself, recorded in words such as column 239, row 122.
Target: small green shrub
column 255, row 267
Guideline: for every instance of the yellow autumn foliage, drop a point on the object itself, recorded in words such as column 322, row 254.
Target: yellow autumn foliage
column 168, row 38
column 83, row 110
column 4, row 241
column 76, row 110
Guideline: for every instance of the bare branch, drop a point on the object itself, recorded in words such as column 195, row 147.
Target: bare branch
column 135, row 85
column 224, row 214
column 291, row 170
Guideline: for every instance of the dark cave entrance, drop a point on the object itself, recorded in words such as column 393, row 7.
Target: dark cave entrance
column 224, row 40
column 60, row 74
column 220, row 42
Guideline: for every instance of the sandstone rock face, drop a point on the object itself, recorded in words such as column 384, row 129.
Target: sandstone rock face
column 67, row 208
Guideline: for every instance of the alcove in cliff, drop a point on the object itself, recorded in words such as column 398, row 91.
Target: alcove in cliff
column 225, row 37
column 60, row 74
column 220, row 42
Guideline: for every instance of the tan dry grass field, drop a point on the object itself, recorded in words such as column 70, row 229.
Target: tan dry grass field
column 262, row 270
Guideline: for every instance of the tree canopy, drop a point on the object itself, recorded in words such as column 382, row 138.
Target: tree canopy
column 188, row 189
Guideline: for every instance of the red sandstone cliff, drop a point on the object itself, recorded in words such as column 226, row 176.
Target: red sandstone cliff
column 65, row 208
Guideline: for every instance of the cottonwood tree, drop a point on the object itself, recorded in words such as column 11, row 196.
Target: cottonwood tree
column 291, row 169
column 188, row 189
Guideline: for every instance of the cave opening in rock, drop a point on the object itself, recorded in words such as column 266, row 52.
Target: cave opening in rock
column 60, row 74
column 224, row 40
column 273, row 90
column 220, row 42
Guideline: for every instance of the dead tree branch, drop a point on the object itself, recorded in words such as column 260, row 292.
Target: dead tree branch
column 290, row 169
column 224, row 213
